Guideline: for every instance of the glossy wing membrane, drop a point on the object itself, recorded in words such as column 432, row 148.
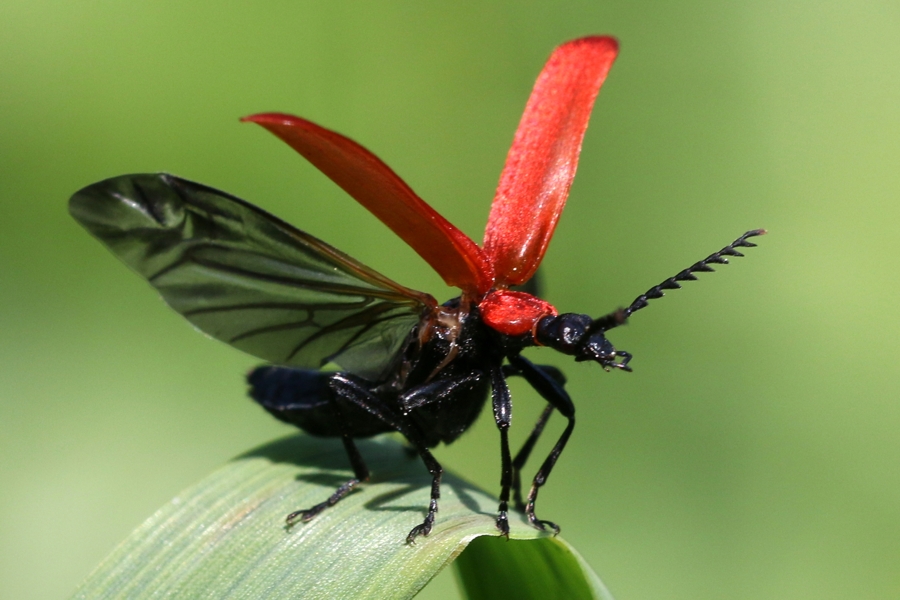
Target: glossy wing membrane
column 247, row 278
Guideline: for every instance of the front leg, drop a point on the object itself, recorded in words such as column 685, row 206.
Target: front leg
column 522, row 456
column 525, row 451
column 553, row 393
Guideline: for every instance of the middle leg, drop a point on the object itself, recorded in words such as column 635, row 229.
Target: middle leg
column 353, row 389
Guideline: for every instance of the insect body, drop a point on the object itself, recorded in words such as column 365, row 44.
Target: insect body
column 407, row 363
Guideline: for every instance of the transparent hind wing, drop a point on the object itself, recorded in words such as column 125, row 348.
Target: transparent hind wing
column 249, row 279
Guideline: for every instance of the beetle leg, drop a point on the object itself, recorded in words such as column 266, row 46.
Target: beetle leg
column 420, row 396
column 353, row 389
column 360, row 472
column 437, row 391
column 356, row 394
column 553, row 393
column 522, row 455
column 303, row 398
column 503, row 417
column 434, row 467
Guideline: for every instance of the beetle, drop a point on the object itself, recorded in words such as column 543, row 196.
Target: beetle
column 408, row 364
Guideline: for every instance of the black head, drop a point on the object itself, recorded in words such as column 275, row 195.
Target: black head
column 582, row 337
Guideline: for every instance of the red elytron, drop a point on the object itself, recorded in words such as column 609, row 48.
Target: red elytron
column 409, row 364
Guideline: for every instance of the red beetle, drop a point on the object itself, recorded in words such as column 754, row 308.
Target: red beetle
column 408, row 363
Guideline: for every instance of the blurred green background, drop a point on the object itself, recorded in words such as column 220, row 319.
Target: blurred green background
column 754, row 452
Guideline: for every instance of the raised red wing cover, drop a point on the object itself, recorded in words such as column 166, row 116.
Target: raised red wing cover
column 541, row 163
column 373, row 184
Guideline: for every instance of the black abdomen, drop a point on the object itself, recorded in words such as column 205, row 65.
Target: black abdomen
column 305, row 399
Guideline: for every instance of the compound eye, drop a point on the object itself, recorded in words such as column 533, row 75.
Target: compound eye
column 569, row 335
column 570, row 331
column 564, row 333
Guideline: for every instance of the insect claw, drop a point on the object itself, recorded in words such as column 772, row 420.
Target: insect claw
column 543, row 525
column 503, row 524
column 306, row 515
column 538, row 523
column 552, row 526
column 424, row 529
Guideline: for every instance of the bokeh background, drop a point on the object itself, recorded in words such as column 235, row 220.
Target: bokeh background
column 754, row 452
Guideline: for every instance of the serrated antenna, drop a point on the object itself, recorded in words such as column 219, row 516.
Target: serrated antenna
column 703, row 266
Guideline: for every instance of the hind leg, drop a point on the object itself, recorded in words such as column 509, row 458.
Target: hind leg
column 309, row 400
column 360, row 474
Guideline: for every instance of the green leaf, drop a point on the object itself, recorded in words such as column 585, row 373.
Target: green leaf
column 547, row 568
column 225, row 536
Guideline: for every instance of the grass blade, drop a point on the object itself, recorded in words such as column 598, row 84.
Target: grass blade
column 224, row 537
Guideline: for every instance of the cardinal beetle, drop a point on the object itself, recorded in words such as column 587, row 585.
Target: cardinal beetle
column 409, row 364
